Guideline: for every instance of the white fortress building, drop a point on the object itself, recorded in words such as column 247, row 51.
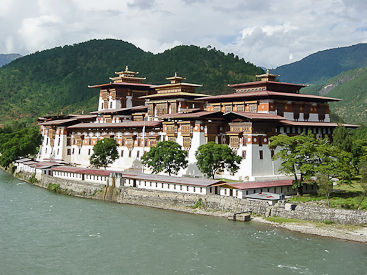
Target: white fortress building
column 139, row 115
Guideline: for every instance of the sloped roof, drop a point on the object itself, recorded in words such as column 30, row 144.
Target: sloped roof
column 255, row 184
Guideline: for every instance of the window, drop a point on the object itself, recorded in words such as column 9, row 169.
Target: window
column 111, row 105
column 137, row 154
column 88, row 152
column 306, row 112
column 261, row 154
column 280, row 109
column 79, row 151
column 68, row 152
column 180, row 187
column 187, row 188
column 272, row 152
column 296, row 109
column 194, row 188
column 260, row 141
column 156, row 184
column 58, row 144
column 201, row 189
column 73, row 151
column 244, row 154
column 122, row 153
column 129, row 153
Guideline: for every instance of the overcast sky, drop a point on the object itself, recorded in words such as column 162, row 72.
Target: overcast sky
column 266, row 33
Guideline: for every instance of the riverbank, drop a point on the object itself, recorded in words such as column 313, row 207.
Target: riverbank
column 209, row 206
column 339, row 231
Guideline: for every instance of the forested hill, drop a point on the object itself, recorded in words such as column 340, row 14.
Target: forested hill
column 56, row 80
column 7, row 58
column 319, row 67
column 351, row 87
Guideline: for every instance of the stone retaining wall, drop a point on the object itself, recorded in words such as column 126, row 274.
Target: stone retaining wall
column 312, row 212
column 178, row 201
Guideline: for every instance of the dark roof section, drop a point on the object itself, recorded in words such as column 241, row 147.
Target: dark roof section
column 122, row 84
column 128, row 124
column 256, row 116
column 121, row 110
column 258, row 83
column 268, row 94
column 202, row 114
column 315, row 124
column 71, row 119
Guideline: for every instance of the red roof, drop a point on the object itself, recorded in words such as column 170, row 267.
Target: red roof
column 255, row 184
column 127, row 124
column 267, row 94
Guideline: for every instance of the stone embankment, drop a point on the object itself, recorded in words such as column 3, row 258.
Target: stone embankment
column 215, row 205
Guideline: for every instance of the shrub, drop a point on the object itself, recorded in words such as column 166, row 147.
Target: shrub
column 32, row 179
column 54, row 187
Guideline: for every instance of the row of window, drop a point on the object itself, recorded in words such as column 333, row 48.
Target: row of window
column 172, row 186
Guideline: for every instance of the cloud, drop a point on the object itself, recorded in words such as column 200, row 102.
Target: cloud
column 266, row 33
column 142, row 4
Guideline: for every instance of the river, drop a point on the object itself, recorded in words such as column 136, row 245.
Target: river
column 46, row 233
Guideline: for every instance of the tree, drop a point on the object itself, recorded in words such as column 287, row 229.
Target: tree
column 342, row 139
column 363, row 183
column 18, row 141
column 213, row 158
column 324, row 184
column 167, row 157
column 335, row 163
column 104, row 153
column 298, row 156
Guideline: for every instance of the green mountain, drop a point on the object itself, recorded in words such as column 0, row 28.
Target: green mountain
column 351, row 87
column 319, row 67
column 7, row 58
column 56, row 80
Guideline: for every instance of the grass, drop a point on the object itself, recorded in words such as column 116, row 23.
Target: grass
column 282, row 220
column 344, row 196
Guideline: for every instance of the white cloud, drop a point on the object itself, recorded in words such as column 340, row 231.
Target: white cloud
column 266, row 33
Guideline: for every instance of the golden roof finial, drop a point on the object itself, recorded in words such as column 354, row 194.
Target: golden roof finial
column 127, row 68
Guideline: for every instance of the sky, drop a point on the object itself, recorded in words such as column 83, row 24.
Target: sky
column 265, row 33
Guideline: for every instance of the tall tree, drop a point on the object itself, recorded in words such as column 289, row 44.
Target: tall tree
column 167, row 157
column 104, row 153
column 213, row 158
column 298, row 156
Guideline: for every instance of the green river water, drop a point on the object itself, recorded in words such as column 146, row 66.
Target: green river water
column 46, row 233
